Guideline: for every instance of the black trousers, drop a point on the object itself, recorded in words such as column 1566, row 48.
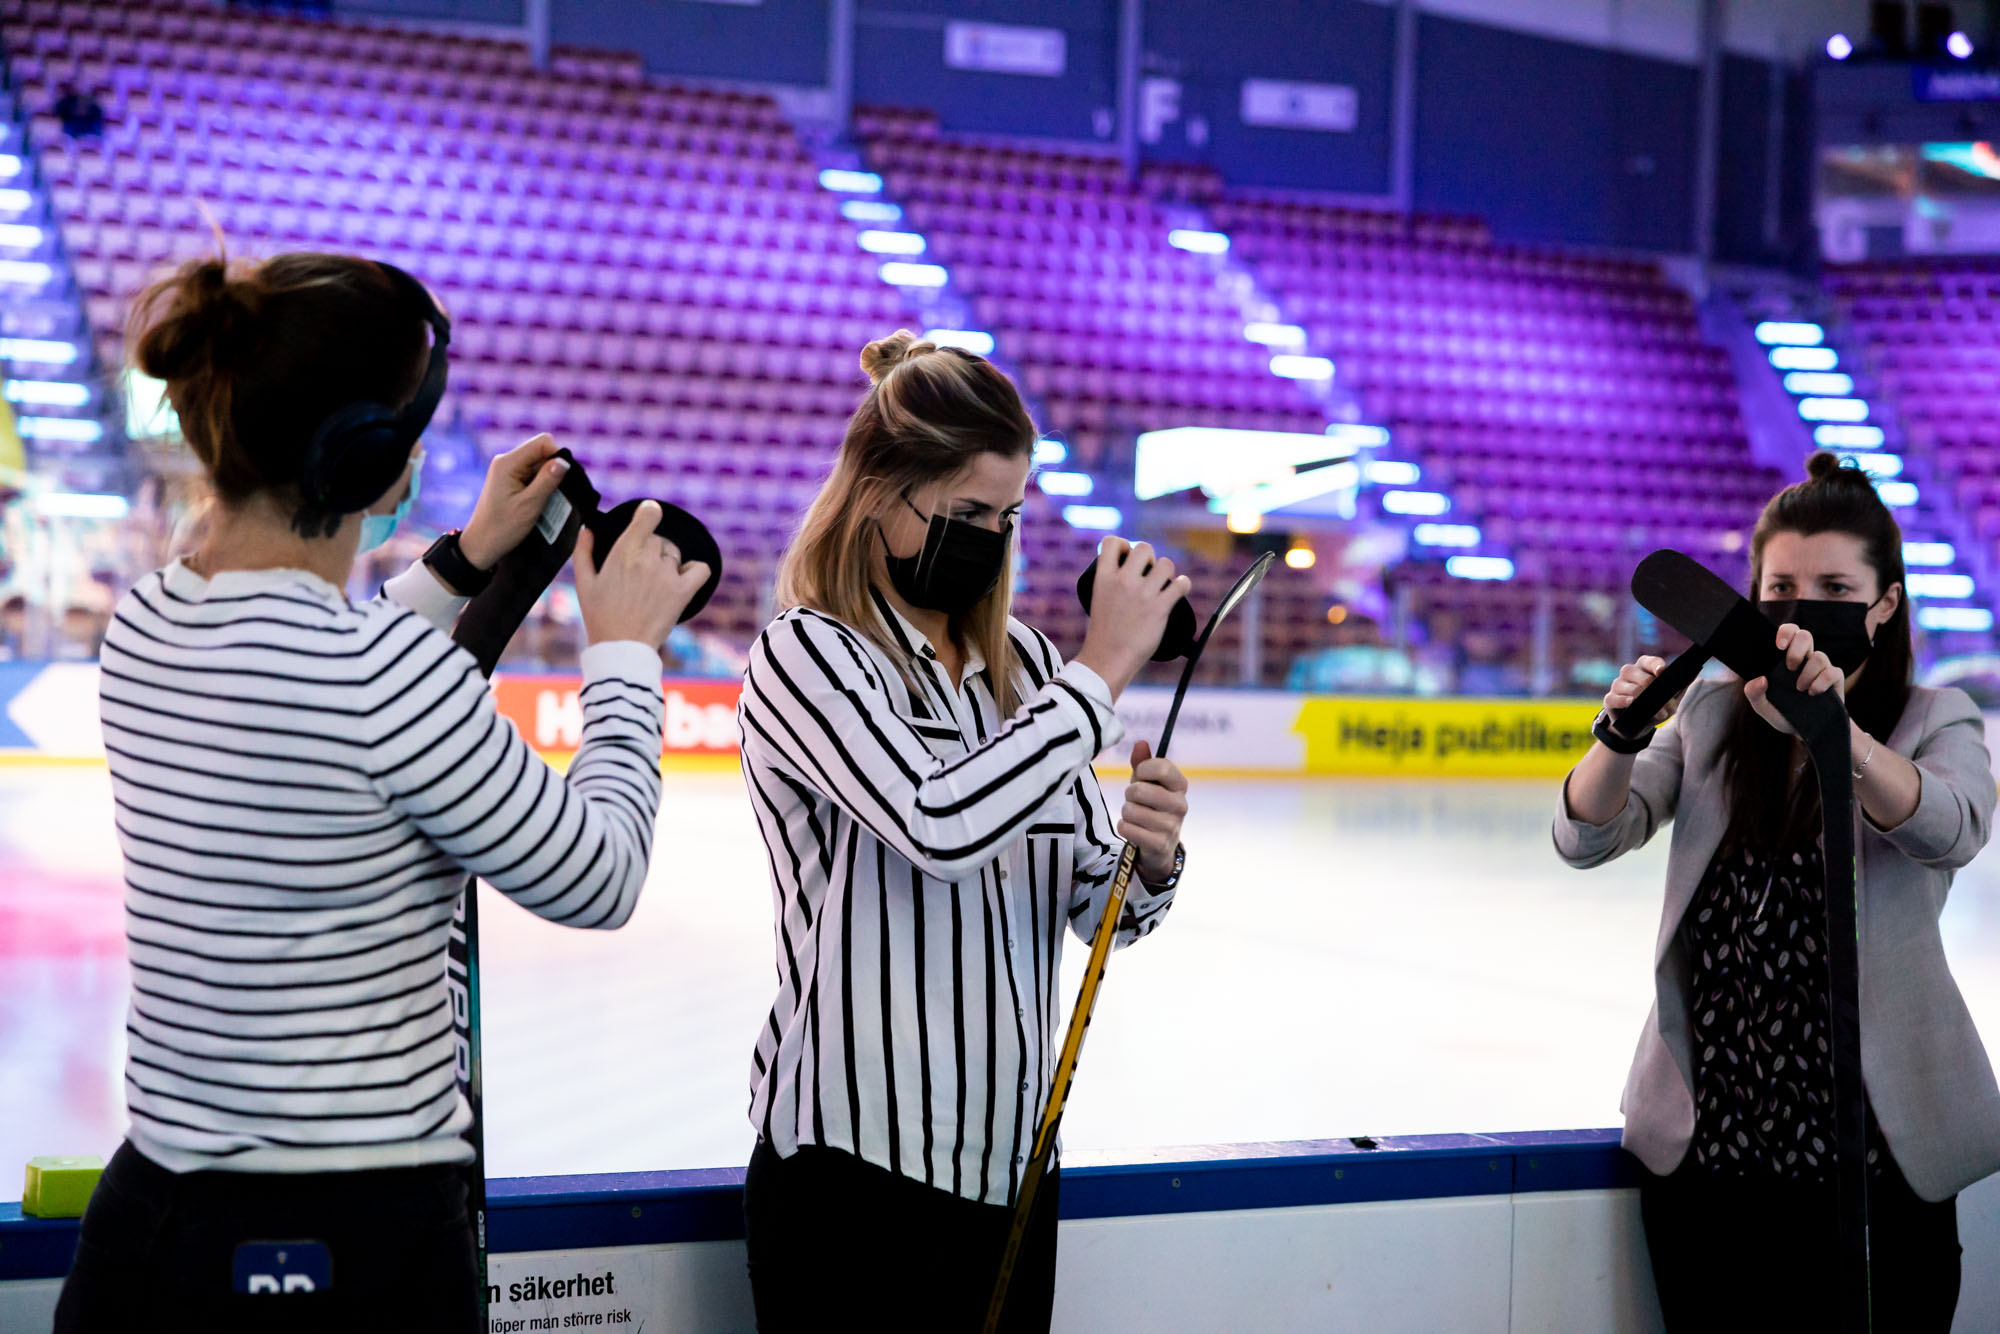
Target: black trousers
column 157, row 1251
column 839, row 1243
column 1732, row 1254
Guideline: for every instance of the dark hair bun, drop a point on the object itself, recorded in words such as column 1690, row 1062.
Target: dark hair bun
column 1825, row 467
column 209, row 319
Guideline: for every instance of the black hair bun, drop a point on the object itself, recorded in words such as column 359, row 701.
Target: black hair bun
column 1825, row 467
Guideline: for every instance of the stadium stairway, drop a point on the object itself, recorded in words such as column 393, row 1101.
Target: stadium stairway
column 61, row 403
column 1802, row 341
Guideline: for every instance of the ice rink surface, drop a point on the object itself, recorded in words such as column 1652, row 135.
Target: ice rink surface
column 1346, row 957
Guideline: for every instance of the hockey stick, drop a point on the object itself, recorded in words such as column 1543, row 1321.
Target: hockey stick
column 1093, row 976
column 1723, row 624
column 484, row 628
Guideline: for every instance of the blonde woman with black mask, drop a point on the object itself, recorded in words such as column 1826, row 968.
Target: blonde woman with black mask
column 920, row 767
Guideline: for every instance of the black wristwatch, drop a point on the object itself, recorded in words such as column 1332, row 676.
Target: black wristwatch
column 448, row 562
column 1615, row 741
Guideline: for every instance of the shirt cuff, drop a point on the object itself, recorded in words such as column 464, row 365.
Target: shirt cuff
column 623, row 660
column 1933, row 827
column 1577, row 841
column 419, row 589
column 1083, row 694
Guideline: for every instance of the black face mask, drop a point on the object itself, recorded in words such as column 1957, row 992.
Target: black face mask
column 1838, row 629
column 958, row 564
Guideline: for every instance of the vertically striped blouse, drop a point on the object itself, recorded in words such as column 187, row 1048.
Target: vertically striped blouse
column 926, row 854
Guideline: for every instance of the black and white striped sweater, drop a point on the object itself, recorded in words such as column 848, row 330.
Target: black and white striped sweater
column 301, row 785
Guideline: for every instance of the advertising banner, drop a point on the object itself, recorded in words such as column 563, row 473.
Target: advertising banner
column 48, row 713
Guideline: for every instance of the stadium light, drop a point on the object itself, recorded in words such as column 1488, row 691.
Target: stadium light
column 20, row 234
column 1848, row 437
column 1931, row 585
column 850, row 182
column 1294, row 487
column 1819, row 382
column 1479, row 567
column 1928, row 553
column 1877, row 465
column 1959, row 46
column 1804, row 358
column 48, row 393
column 1065, row 483
column 1357, row 435
column 1200, row 243
column 1224, row 461
column 25, row 271
column 74, row 429
column 1049, row 451
column 1295, row 367
column 10, row 165
column 1244, row 521
column 1446, row 534
column 901, row 273
column 1275, row 335
column 1301, row 558
column 1897, row 495
column 80, row 505
column 1954, row 618
column 1391, row 472
column 45, row 351
column 1833, row 409
column 1839, row 46
column 976, row 341
column 870, row 210
column 16, row 200
column 1415, row 502
column 1791, row 333
column 891, row 243
column 1100, row 518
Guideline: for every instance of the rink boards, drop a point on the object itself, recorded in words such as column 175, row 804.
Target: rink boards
column 49, row 713
column 1470, row 1233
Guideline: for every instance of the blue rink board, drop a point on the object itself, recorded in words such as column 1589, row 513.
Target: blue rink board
column 657, row 1208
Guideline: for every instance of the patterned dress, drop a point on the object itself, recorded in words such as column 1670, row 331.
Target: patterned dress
column 1763, row 1056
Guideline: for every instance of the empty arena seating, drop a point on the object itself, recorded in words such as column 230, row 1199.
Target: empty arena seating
column 1543, row 391
column 1931, row 329
column 1112, row 330
column 652, row 274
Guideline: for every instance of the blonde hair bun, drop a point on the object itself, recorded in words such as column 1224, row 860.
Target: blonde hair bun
column 885, row 354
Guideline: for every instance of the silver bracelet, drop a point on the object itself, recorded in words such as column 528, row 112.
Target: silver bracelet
column 1862, row 767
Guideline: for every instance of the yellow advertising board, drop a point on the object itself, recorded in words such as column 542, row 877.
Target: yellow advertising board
column 1492, row 738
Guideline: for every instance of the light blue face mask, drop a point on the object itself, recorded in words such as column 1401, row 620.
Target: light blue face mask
column 377, row 528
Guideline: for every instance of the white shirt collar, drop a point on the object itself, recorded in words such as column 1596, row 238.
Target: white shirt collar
column 900, row 626
column 185, row 584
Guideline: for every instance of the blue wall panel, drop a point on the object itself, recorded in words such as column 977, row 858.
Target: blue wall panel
column 899, row 61
column 510, row 13
column 1211, row 49
column 1552, row 141
column 773, row 41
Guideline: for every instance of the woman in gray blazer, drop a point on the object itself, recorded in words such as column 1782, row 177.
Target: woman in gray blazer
column 1728, row 1105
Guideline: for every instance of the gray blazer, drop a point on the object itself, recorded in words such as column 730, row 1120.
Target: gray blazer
column 1927, row 1072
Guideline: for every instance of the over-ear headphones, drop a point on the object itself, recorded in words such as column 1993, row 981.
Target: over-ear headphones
column 360, row 450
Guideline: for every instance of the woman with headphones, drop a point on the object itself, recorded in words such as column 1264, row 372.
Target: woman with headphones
column 302, row 783
column 1729, row 1106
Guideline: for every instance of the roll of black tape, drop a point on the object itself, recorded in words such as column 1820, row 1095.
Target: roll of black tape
column 689, row 535
column 1176, row 641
